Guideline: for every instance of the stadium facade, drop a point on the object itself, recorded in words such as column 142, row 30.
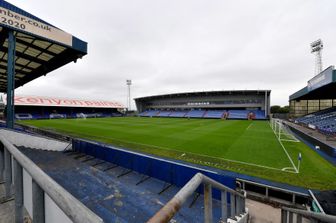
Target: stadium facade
column 239, row 104
column 41, row 107
column 319, row 94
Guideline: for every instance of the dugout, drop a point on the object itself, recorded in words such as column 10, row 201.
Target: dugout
column 319, row 94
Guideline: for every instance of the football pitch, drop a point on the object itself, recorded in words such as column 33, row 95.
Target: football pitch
column 248, row 147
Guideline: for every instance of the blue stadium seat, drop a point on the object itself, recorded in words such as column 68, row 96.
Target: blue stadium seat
column 214, row 114
column 195, row 113
column 324, row 121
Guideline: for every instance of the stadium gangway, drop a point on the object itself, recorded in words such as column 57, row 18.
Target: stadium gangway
column 41, row 184
column 238, row 212
column 288, row 215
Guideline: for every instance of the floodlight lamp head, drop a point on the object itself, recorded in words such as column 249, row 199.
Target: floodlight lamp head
column 316, row 43
column 316, row 49
column 316, row 46
column 128, row 82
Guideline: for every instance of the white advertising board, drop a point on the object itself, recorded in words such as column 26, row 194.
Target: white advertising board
column 23, row 23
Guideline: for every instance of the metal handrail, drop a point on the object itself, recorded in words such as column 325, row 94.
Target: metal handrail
column 173, row 206
column 316, row 201
column 307, row 214
column 72, row 207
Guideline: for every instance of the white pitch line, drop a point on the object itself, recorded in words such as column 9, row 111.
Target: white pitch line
column 290, row 159
column 165, row 148
column 289, row 169
column 289, row 140
column 249, row 126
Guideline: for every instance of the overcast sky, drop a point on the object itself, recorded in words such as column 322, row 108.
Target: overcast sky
column 169, row 46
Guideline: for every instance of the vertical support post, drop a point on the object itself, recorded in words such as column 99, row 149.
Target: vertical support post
column 224, row 205
column 267, row 190
column 238, row 209
column 207, row 203
column 18, row 185
column 243, row 205
column 38, row 203
column 290, row 217
column 2, row 162
column 266, row 103
column 293, row 199
column 233, row 205
column 8, row 173
column 10, row 80
column 299, row 218
column 283, row 216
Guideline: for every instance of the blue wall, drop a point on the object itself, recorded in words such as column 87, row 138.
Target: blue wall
column 171, row 172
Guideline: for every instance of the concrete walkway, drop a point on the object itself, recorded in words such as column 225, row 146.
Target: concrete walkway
column 263, row 213
column 6, row 209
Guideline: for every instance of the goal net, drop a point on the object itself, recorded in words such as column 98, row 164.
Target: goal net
column 282, row 131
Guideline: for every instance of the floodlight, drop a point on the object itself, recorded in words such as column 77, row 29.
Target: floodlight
column 316, row 48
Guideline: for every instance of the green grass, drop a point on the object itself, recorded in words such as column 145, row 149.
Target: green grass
column 248, row 147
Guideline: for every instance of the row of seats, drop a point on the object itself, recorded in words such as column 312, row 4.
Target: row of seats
column 324, row 121
column 230, row 114
column 27, row 116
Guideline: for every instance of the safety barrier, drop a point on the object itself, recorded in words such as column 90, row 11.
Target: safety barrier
column 292, row 215
column 43, row 188
column 175, row 173
column 237, row 201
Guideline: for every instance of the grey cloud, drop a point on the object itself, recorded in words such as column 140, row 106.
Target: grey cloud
column 191, row 45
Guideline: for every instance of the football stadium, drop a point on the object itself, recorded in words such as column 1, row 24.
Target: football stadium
column 205, row 156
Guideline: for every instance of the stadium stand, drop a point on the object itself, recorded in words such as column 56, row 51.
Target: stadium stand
column 37, row 107
column 238, row 114
column 324, row 121
column 149, row 113
column 246, row 104
column 214, row 114
column 196, row 113
column 164, row 113
column 231, row 114
column 178, row 114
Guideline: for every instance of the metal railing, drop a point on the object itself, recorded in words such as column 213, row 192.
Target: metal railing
column 237, row 201
column 297, row 215
column 257, row 189
column 41, row 184
column 316, row 202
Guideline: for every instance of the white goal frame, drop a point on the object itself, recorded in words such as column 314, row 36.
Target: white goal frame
column 281, row 130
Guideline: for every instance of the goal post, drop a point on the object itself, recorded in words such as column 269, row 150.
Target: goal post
column 282, row 131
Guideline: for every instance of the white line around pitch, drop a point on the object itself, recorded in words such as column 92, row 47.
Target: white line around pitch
column 196, row 154
column 249, row 126
column 283, row 147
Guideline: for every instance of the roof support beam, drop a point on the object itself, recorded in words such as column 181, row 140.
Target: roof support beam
column 16, row 70
column 10, row 80
column 28, row 57
column 63, row 58
column 36, row 47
